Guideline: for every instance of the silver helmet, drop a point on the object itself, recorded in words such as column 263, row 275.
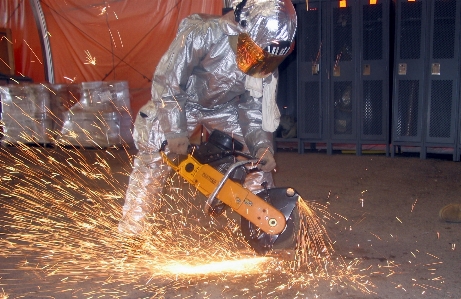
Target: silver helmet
column 266, row 21
column 267, row 32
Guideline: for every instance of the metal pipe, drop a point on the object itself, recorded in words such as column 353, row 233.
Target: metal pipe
column 44, row 39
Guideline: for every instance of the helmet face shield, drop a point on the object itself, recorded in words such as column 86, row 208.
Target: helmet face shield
column 257, row 62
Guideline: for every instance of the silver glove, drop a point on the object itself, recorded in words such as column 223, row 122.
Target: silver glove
column 267, row 161
column 178, row 145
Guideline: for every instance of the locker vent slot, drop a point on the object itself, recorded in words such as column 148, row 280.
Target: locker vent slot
column 408, row 108
column 440, row 108
column 342, row 34
column 410, row 35
column 343, row 107
column 311, row 108
column 373, row 32
column 372, row 107
column 443, row 43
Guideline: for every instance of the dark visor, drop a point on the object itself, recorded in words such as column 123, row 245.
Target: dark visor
column 256, row 62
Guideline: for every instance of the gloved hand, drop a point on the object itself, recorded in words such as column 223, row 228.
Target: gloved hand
column 267, row 161
column 178, row 145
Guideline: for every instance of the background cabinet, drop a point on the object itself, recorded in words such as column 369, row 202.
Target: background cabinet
column 426, row 75
column 380, row 74
column 343, row 73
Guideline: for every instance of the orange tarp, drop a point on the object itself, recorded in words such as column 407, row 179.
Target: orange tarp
column 99, row 40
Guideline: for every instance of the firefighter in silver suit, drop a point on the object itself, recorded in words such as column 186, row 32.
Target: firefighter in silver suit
column 220, row 72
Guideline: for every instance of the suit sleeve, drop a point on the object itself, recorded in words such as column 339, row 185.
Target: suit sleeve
column 172, row 74
column 250, row 117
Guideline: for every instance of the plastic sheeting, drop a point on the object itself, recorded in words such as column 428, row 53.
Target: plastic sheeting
column 99, row 40
column 32, row 127
column 90, row 114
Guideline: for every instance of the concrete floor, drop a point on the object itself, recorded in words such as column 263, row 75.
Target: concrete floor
column 60, row 207
column 390, row 208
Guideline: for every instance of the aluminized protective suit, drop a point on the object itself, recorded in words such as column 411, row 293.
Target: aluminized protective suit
column 197, row 82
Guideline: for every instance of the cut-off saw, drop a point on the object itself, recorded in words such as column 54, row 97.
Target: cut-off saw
column 218, row 168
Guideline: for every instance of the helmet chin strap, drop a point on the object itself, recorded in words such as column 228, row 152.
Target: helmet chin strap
column 238, row 12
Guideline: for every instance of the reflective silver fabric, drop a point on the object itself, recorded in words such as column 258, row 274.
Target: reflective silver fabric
column 197, row 82
column 268, row 21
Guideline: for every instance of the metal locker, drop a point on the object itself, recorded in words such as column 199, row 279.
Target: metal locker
column 360, row 73
column 286, row 133
column 343, row 73
column 374, row 72
column 443, row 75
column 426, row 74
column 312, row 70
column 409, row 72
column 343, row 59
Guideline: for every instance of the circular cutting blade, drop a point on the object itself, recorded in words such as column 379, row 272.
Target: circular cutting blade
column 286, row 201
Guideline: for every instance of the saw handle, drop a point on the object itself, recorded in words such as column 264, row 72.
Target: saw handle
column 165, row 157
column 211, row 198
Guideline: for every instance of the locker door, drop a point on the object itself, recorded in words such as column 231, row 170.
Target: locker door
column 443, row 72
column 374, row 71
column 311, row 70
column 409, row 71
column 343, row 76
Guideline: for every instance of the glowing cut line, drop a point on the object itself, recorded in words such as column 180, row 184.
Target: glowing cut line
column 237, row 266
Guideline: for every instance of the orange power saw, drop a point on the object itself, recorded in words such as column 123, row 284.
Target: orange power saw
column 269, row 218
